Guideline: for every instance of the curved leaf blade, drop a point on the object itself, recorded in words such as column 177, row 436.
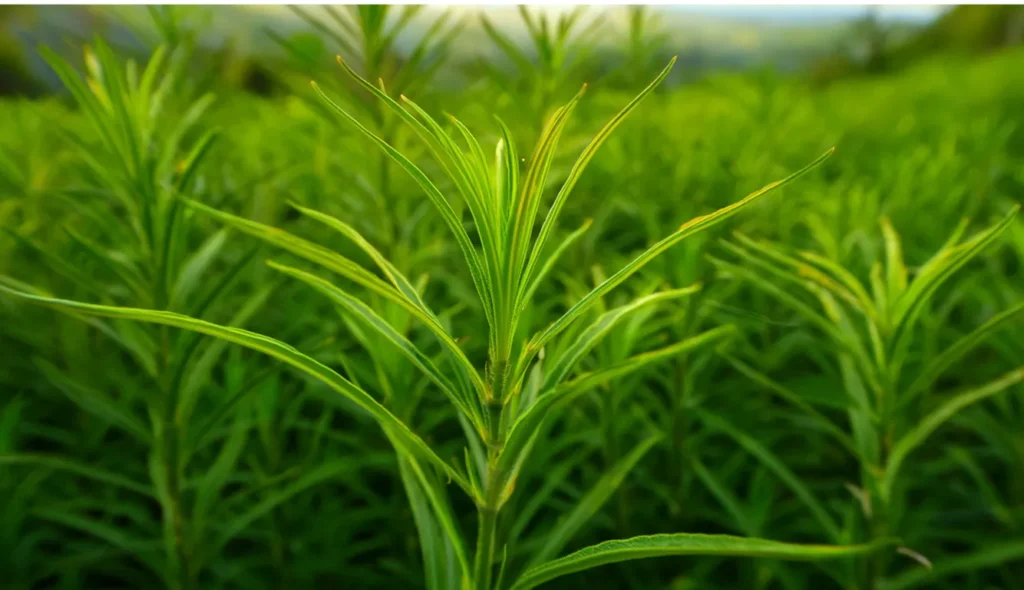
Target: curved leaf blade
column 685, row 544
column 689, row 228
column 274, row 348
column 916, row 437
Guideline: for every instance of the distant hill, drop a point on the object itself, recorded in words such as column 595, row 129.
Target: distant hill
column 969, row 28
column 876, row 47
column 706, row 38
column 725, row 37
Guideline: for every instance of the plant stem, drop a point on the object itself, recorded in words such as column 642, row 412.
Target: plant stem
column 170, row 459
column 488, row 524
column 879, row 530
column 488, row 511
column 678, row 426
column 484, row 549
column 178, row 567
column 878, row 524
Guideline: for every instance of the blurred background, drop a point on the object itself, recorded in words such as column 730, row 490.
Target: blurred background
column 244, row 43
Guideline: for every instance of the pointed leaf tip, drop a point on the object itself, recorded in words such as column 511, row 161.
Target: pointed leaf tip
column 919, row 558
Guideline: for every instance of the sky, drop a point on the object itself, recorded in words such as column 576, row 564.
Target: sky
column 813, row 13
column 786, row 14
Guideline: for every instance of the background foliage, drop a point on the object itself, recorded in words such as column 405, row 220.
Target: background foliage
column 869, row 387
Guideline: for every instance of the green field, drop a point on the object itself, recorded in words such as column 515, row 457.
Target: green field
column 393, row 331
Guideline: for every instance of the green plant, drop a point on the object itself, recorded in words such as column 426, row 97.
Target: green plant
column 505, row 411
column 373, row 39
column 742, row 427
column 558, row 52
column 151, row 391
column 870, row 332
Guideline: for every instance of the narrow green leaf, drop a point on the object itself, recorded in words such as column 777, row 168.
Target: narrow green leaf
column 985, row 558
column 58, row 265
column 352, row 271
column 197, row 265
column 538, row 278
column 938, row 365
column 405, row 287
column 524, row 211
column 271, row 347
column 803, row 309
column 549, row 405
column 52, row 462
column 685, row 544
column 724, row 496
column 383, row 328
column 689, row 228
column 146, row 551
column 577, row 170
column 772, row 462
column 845, row 277
column 188, row 167
column 896, row 272
column 589, row 505
column 442, row 511
column 917, row 435
column 431, row 539
column 506, row 45
column 190, row 377
column 217, row 475
column 596, row 332
column 235, row 525
column 795, row 399
column 95, row 402
column 935, row 272
column 117, row 265
column 440, row 203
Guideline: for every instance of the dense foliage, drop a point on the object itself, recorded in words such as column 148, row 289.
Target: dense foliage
column 373, row 333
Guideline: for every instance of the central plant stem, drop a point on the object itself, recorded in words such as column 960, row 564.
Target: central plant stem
column 495, row 414
column 878, row 523
column 485, row 548
column 167, row 437
column 488, row 517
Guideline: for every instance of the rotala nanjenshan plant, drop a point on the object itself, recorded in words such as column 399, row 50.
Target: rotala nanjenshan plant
column 868, row 329
column 503, row 410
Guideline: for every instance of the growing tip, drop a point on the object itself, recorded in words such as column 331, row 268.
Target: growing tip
column 340, row 60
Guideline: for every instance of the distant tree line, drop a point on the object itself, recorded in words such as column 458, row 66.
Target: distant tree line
column 875, row 47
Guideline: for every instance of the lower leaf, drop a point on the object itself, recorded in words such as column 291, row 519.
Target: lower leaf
column 685, row 544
